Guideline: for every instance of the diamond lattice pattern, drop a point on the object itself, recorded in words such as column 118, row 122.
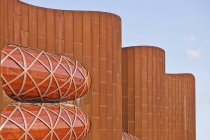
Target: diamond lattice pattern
column 31, row 75
column 25, row 121
column 128, row 136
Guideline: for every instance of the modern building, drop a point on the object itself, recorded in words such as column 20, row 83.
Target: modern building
column 156, row 105
column 130, row 90
column 143, row 73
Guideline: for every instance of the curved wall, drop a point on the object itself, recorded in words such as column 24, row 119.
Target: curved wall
column 93, row 38
column 143, row 72
column 179, row 107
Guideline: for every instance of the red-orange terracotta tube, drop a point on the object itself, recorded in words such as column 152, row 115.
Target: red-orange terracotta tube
column 30, row 75
column 43, row 121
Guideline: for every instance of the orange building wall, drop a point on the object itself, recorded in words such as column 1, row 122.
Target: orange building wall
column 155, row 106
column 93, row 38
column 143, row 71
column 179, row 107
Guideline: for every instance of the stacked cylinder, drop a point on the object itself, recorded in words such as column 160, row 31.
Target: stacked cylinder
column 179, row 107
column 143, row 71
column 39, row 81
column 92, row 38
column 156, row 105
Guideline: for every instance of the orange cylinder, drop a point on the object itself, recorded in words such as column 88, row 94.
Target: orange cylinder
column 92, row 38
column 30, row 75
column 43, row 121
column 179, row 107
column 143, row 70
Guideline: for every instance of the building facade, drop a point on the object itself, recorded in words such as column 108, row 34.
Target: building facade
column 143, row 72
column 156, row 105
column 130, row 90
column 93, row 38
column 178, row 107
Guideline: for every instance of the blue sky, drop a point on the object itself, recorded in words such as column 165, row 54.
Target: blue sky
column 181, row 27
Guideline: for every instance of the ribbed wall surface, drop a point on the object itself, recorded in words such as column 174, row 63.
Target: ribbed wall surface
column 143, row 70
column 179, row 107
column 93, row 38
column 155, row 107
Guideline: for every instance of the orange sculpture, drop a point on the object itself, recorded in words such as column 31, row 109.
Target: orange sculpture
column 43, row 122
column 30, row 75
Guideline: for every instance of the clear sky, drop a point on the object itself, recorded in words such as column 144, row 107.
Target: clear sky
column 181, row 27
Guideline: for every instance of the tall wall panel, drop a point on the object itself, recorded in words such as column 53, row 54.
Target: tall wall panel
column 179, row 107
column 5, row 22
column 93, row 38
column 143, row 72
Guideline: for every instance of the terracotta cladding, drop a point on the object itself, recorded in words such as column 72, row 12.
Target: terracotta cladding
column 179, row 107
column 156, row 106
column 39, row 121
column 92, row 38
column 31, row 75
column 143, row 70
